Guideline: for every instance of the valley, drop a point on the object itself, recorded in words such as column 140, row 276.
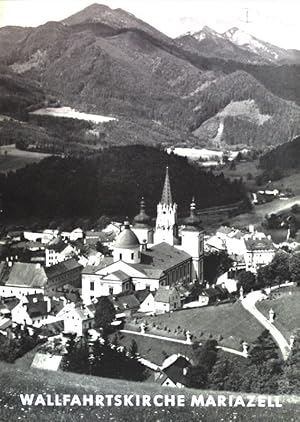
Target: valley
column 150, row 216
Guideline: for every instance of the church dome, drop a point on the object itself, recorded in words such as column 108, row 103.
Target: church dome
column 192, row 222
column 127, row 239
column 142, row 219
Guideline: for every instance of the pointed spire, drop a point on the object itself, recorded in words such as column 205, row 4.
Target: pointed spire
column 166, row 197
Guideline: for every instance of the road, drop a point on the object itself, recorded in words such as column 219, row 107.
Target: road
column 248, row 303
column 276, row 206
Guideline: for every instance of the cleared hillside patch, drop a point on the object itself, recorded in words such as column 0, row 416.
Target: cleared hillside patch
column 12, row 158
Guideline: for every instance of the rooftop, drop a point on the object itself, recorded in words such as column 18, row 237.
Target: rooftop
column 163, row 294
column 26, row 275
column 163, row 256
column 264, row 244
column 62, row 267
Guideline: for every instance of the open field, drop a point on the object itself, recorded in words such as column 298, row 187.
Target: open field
column 285, row 304
column 231, row 321
column 289, row 182
column 14, row 382
column 241, row 170
column 12, row 158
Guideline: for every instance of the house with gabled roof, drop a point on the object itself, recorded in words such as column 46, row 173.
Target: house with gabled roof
column 167, row 299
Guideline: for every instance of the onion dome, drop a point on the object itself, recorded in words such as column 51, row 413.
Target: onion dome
column 142, row 219
column 192, row 222
column 127, row 239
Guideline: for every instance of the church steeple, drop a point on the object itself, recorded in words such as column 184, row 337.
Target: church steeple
column 166, row 221
column 166, row 197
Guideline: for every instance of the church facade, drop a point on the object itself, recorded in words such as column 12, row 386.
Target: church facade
column 147, row 258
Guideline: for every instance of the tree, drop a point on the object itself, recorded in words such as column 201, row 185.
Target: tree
column 105, row 312
column 290, row 382
column 215, row 264
column 294, row 268
column 295, row 209
column 263, row 349
column 133, row 351
column 197, row 376
column 247, row 280
column 232, row 165
column 276, row 272
column 228, row 373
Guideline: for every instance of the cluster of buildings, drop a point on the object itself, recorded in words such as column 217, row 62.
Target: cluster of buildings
column 249, row 249
column 147, row 271
column 150, row 268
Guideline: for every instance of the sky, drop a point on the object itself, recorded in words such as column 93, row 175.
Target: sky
column 275, row 21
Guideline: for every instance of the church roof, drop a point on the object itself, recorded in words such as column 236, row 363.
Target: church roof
column 127, row 238
column 166, row 197
column 160, row 258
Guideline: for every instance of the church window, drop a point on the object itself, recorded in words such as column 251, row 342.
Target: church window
column 132, row 255
column 111, row 290
column 92, row 285
column 120, row 255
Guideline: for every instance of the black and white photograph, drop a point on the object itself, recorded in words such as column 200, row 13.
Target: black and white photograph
column 149, row 210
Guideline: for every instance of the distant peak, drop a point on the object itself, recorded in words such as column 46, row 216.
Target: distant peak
column 208, row 29
column 233, row 30
column 206, row 32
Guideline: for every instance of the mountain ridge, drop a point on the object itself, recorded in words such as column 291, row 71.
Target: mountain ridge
column 238, row 44
column 139, row 74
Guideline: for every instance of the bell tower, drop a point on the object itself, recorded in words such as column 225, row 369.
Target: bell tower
column 166, row 221
column 192, row 241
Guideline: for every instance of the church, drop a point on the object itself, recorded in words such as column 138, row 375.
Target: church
column 146, row 257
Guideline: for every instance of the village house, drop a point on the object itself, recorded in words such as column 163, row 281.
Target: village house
column 259, row 252
column 167, row 299
column 32, row 310
column 59, row 251
column 78, row 319
column 20, row 279
column 173, row 372
column 140, row 301
column 73, row 235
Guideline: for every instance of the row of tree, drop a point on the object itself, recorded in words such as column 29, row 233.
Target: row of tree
column 104, row 359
